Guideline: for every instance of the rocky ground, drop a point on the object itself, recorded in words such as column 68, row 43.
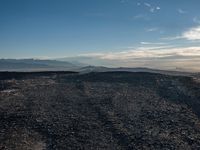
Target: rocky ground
column 115, row 110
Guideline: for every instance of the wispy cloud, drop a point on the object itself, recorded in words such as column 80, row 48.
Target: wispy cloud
column 158, row 8
column 148, row 5
column 172, row 38
column 151, row 8
column 124, row 1
column 152, row 43
column 196, row 20
column 181, row 11
column 155, row 29
column 149, row 52
column 191, row 34
column 152, row 29
column 141, row 17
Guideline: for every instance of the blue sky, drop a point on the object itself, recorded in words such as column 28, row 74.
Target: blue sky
column 63, row 28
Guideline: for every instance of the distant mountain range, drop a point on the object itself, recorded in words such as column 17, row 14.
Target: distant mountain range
column 71, row 65
column 34, row 65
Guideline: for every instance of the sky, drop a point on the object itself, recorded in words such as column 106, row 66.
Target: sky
column 112, row 32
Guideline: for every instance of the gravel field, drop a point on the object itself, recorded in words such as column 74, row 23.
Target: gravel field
column 115, row 110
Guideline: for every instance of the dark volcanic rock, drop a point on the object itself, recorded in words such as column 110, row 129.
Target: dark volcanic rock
column 116, row 110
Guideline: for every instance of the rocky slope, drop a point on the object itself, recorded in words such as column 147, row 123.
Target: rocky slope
column 115, row 110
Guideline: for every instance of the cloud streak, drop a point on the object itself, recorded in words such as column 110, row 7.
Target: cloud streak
column 181, row 11
column 149, row 52
column 192, row 34
column 160, row 57
column 151, row 43
column 151, row 8
column 152, row 29
column 196, row 20
column 141, row 17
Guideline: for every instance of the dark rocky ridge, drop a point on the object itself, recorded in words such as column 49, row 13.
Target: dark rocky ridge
column 115, row 110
